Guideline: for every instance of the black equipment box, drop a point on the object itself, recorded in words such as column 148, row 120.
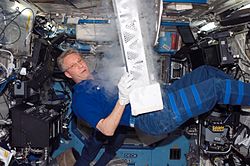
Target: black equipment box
column 214, row 55
column 213, row 52
column 34, row 126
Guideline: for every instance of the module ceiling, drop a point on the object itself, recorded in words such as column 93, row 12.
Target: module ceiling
column 72, row 7
column 100, row 7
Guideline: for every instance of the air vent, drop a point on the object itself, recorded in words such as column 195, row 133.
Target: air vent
column 175, row 154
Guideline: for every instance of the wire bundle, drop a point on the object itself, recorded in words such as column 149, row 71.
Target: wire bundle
column 7, row 20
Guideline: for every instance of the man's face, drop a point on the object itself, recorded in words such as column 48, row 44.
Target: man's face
column 76, row 68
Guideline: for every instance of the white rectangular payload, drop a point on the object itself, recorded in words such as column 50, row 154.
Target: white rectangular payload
column 146, row 97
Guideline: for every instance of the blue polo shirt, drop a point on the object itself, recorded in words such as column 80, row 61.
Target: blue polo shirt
column 92, row 102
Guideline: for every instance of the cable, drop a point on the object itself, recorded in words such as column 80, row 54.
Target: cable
column 8, row 14
column 242, row 73
column 242, row 50
column 5, row 97
column 9, row 23
column 2, row 37
column 15, row 18
column 1, row 116
column 2, row 86
column 203, row 39
column 19, row 35
column 11, row 64
column 3, row 30
column 6, row 71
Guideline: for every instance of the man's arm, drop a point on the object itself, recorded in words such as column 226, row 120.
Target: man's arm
column 108, row 125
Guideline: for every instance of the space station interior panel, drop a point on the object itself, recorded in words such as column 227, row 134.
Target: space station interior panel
column 37, row 124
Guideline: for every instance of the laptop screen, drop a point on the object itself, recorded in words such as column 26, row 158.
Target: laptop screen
column 186, row 34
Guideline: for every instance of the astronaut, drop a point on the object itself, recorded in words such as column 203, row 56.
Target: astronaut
column 192, row 95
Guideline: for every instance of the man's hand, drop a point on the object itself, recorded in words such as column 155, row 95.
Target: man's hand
column 109, row 124
column 124, row 87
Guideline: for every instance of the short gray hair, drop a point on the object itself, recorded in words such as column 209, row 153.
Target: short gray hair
column 63, row 55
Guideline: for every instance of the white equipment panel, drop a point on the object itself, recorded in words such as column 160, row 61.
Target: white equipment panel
column 145, row 97
column 131, row 39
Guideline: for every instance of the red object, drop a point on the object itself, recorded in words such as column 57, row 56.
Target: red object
column 174, row 41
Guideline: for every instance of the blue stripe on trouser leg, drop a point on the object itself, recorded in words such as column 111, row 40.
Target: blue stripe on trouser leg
column 227, row 92
column 240, row 92
column 185, row 102
column 198, row 75
column 210, row 92
column 196, row 96
column 174, row 107
column 234, row 92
